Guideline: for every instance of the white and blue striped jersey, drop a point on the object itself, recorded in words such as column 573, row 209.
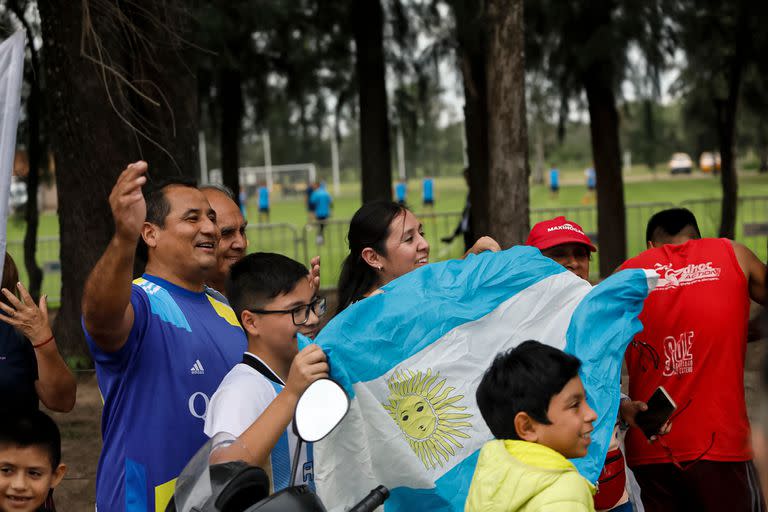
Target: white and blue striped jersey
column 243, row 395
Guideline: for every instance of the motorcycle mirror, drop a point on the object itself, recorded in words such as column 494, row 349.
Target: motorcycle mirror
column 322, row 406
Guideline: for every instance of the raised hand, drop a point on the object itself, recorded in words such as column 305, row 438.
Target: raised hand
column 314, row 273
column 485, row 243
column 29, row 319
column 308, row 366
column 129, row 208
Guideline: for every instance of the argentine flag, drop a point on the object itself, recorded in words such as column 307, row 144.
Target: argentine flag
column 411, row 357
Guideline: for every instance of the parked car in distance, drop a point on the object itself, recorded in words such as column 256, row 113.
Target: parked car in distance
column 709, row 162
column 680, row 163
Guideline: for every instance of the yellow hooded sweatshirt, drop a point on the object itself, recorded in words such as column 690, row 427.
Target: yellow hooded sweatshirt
column 518, row 476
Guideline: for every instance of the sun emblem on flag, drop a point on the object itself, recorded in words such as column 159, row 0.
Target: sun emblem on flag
column 428, row 414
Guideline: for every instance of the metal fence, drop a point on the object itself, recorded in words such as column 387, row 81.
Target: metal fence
column 751, row 220
column 281, row 238
column 302, row 243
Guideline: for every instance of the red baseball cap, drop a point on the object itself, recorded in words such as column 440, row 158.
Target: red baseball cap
column 557, row 231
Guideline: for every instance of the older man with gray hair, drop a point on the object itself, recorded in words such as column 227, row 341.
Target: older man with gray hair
column 234, row 237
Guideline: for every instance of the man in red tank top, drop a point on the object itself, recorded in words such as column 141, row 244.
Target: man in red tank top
column 693, row 343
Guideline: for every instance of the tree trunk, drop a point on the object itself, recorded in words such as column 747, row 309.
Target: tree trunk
column 35, row 152
column 604, row 130
column 231, row 110
column 538, row 172
column 507, row 132
column 650, row 135
column 101, row 124
column 375, row 156
column 726, row 131
column 470, row 33
column 762, row 145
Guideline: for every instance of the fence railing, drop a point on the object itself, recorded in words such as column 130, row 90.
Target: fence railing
column 281, row 238
column 302, row 243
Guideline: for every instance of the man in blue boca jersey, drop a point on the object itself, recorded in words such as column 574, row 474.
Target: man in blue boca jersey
column 161, row 343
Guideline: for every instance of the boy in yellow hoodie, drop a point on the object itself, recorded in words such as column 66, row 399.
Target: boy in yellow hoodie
column 534, row 403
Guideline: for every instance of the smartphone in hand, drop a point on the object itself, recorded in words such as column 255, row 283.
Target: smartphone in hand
column 660, row 408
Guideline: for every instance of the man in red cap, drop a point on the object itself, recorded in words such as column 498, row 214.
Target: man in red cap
column 565, row 242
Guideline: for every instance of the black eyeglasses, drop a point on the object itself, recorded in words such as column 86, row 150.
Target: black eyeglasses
column 299, row 314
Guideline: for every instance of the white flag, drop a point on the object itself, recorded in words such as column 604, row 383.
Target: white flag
column 11, row 70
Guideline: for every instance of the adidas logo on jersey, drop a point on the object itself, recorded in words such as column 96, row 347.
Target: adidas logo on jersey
column 197, row 368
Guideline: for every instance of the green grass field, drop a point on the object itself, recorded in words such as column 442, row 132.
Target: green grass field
column 290, row 234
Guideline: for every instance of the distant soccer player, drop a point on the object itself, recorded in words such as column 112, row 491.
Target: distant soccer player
column 243, row 197
column 428, row 188
column 401, row 191
column 591, row 177
column 554, row 181
column 321, row 202
column 263, row 203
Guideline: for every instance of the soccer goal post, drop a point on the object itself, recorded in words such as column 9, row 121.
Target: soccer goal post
column 288, row 178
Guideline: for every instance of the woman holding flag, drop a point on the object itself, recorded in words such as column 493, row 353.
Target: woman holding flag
column 386, row 241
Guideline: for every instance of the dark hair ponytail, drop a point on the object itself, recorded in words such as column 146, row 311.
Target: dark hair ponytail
column 369, row 227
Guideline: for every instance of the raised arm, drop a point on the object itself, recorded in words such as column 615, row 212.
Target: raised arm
column 258, row 441
column 754, row 270
column 55, row 384
column 107, row 310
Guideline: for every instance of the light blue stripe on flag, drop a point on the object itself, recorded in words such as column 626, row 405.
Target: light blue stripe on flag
column 601, row 327
column 443, row 497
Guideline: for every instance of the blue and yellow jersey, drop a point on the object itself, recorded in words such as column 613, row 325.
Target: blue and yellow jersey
column 156, row 391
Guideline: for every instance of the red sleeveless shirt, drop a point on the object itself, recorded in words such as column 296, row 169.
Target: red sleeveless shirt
column 693, row 343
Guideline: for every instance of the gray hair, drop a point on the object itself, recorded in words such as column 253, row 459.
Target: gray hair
column 219, row 188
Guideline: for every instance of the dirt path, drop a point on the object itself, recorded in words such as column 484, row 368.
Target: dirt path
column 81, row 444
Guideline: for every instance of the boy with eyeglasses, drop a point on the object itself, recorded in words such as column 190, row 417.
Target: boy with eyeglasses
column 274, row 301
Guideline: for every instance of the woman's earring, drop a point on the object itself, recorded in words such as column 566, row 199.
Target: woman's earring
column 381, row 268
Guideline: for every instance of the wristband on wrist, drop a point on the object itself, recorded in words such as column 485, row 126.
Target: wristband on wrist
column 43, row 343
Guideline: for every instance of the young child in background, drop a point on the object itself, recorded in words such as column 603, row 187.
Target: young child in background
column 30, row 461
column 534, row 403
